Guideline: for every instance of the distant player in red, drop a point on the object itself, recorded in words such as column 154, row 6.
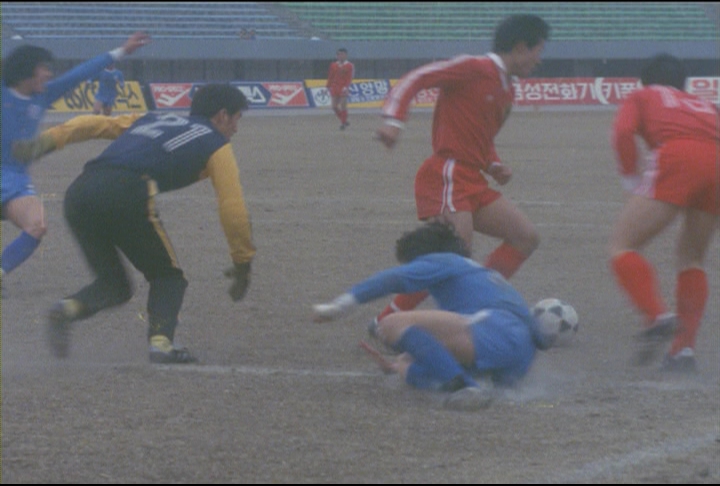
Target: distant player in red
column 338, row 83
column 681, row 175
column 476, row 95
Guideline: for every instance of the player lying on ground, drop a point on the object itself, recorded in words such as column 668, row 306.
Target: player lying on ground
column 483, row 327
column 110, row 207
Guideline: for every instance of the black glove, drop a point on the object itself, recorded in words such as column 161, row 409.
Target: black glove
column 240, row 273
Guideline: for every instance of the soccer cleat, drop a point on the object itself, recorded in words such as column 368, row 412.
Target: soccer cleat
column 649, row 341
column 470, row 398
column 344, row 125
column 682, row 362
column 60, row 316
column 162, row 351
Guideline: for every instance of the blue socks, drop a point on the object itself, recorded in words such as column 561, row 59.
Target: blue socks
column 18, row 251
column 434, row 366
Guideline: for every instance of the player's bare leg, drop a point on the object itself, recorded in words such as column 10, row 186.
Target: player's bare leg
column 639, row 222
column 27, row 214
column 691, row 287
column 451, row 329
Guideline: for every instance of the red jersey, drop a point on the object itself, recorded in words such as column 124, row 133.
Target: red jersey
column 476, row 95
column 659, row 114
column 340, row 75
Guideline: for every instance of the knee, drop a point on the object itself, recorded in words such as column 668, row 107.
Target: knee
column 391, row 328
column 36, row 228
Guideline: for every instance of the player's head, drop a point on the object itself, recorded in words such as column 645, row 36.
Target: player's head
column 341, row 54
column 529, row 29
column 222, row 104
column 212, row 98
column 664, row 69
column 27, row 63
column 429, row 238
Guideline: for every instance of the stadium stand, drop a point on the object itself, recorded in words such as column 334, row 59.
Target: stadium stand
column 357, row 21
column 207, row 20
column 415, row 21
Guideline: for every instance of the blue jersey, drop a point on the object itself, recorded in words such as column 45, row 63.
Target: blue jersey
column 171, row 149
column 21, row 117
column 457, row 284
column 108, row 81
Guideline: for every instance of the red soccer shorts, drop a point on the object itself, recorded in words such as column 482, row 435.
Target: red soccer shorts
column 685, row 173
column 447, row 185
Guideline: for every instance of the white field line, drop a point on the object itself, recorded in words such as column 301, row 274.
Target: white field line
column 613, row 466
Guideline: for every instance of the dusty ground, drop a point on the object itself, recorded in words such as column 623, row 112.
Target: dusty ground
column 278, row 398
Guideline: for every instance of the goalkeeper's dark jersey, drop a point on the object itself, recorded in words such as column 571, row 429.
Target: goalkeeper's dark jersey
column 173, row 150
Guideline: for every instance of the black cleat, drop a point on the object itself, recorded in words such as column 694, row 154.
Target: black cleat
column 61, row 315
column 683, row 362
column 649, row 341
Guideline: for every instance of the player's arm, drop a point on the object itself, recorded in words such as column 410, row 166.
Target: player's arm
column 623, row 141
column 67, row 81
column 223, row 171
column 439, row 74
column 78, row 129
column 411, row 277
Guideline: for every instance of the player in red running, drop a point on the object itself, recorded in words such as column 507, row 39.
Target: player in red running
column 340, row 76
column 680, row 175
column 476, row 95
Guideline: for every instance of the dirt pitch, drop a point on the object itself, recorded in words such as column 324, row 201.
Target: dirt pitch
column 280, row 399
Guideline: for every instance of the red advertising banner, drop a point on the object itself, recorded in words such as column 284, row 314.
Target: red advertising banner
column 705, row 88
column 286, row 95
column 172, row 96
column 574, row 91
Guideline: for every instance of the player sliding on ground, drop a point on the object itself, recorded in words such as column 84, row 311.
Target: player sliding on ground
column 483, row 328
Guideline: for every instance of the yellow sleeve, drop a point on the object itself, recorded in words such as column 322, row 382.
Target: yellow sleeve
column 223, row 171
column 88, row 127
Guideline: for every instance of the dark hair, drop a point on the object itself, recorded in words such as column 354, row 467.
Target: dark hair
column 342, row 49
column 430, row 238
column 530, row 29
column 664, row 69
column 211, row 98
column 21, row 63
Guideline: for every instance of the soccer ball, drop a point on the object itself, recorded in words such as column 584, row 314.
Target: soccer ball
column 556, row 319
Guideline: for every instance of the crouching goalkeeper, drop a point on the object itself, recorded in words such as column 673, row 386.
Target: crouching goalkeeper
column 110, row 208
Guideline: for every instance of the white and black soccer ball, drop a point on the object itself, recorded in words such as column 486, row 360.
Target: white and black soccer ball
column 557, row 319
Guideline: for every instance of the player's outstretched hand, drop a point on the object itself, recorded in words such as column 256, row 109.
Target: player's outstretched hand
column 326, row 312
column 135, row 42
column 500, row 172
column 335, row 309
column 240, row 274
column 388, row 135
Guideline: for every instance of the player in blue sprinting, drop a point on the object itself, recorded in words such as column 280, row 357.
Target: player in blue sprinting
column 27, row 92
column 109, row 79
column 483, row 328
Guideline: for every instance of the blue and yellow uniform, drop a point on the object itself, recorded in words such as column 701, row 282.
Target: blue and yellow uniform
column 21, row 116
column 111, row 204
column 505, row 334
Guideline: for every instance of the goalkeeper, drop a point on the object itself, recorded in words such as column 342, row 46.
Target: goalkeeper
column 111, row 207
column 484, row 327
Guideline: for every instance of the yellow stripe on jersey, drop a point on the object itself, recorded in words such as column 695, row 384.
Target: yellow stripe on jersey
column 223, row 171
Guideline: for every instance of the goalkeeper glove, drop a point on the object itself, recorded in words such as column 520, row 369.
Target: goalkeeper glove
column 240, row 274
